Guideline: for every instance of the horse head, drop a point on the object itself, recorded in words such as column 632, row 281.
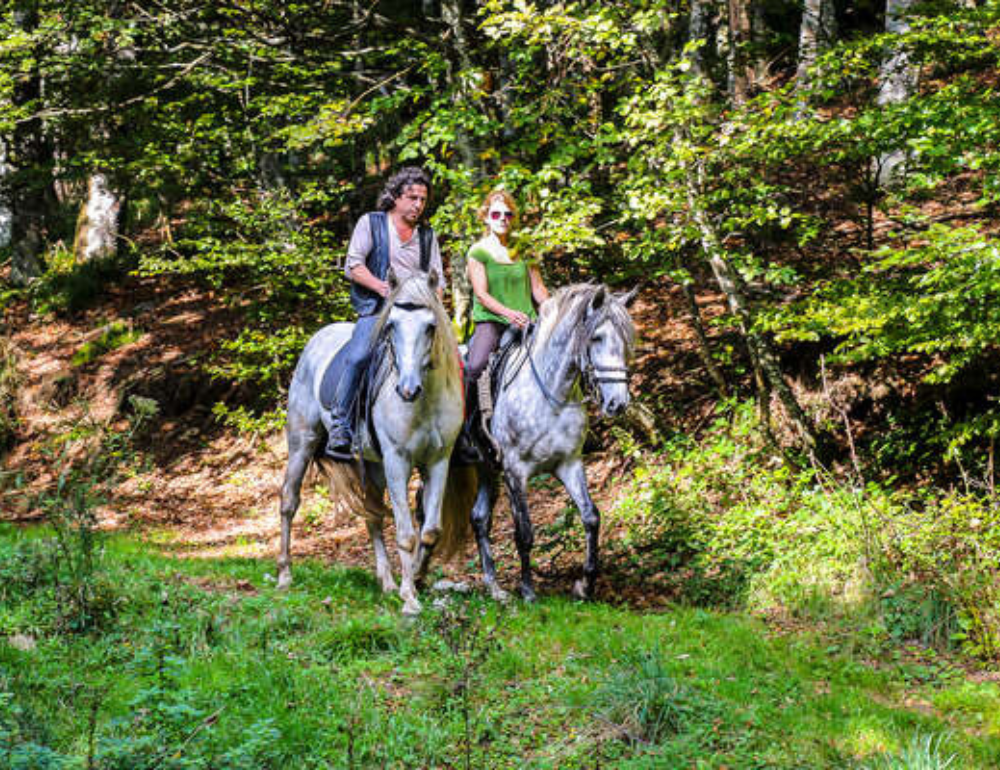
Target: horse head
column 608, row 348
column 410, row 323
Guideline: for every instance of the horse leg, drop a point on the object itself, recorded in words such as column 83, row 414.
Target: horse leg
column 431, row 497
column 482, row 523
column 299, row 454
column 571, row 474
column 397, row 476
column 383, row 569
column 374, row 509
column 524, row 535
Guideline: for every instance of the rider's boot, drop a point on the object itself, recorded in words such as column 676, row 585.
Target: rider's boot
column 466, row 450
column 339, row 440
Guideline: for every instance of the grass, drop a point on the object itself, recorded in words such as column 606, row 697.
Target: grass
column 203, row 664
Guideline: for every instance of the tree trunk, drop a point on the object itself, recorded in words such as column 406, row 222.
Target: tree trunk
column 700, row 30
column 740, row 31
column 30, row 188
column 704, row 349
column 898, row 79
column 97, row 225
column 816, row 32
column 468, row 151
column 6, row 216
column 764, row 357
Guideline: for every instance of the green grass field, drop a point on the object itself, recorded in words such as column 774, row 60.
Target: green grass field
column 147, row 661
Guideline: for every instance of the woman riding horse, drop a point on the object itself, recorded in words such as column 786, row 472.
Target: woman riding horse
column 505, row 289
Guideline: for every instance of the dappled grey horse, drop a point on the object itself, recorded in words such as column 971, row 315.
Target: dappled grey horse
column 582, row 340
column 416, row 415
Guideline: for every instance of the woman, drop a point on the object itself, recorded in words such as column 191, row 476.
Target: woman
column 503, row 288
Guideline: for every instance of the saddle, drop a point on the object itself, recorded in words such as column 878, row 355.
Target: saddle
column 488, row 388
column 370, row 386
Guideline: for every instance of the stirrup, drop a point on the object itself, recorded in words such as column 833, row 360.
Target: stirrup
column 485, row 393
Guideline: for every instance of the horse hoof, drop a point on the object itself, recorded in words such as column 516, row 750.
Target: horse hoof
column 499, row 595
column 430, row 536
column 284, row 580
column 389, row 586
column 411, row 608
column 580, row 590
column 528, row 594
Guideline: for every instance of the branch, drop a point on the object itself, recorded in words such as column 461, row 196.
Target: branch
column 105, row 108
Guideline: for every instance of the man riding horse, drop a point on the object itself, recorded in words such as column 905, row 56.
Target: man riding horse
column 392, row 237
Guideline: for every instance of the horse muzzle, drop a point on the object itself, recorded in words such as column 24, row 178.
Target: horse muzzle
column 614, row 405
column 409, row 391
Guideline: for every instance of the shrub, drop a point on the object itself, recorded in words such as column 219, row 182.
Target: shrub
column 726, row 524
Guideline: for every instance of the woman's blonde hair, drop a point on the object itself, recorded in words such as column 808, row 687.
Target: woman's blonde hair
column 493, row 195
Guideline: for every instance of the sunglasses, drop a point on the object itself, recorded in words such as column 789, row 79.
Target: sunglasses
column 508, row 215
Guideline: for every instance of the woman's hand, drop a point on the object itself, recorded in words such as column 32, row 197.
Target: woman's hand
column 516, row 317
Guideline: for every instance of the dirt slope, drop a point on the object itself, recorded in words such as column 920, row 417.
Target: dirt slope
column 208, row 492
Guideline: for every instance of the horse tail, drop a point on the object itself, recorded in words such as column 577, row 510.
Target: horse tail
column 456, row 510
column 346, row 490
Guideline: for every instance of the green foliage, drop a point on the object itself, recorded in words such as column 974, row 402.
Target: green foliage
column 724, row 523
column 923, row 752
column 68, row 287
column 68, row 570
column 113, row 335
column 647, row 702
column 207, row 665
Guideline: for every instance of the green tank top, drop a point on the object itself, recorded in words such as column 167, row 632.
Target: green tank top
column 508, row 284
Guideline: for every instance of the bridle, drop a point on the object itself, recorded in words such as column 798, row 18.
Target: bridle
column 593, row 376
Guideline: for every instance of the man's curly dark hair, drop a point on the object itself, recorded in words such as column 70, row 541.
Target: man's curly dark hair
column 399, row 182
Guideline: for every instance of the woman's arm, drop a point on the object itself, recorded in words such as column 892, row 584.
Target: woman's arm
column 538, row 291
column 480, row 287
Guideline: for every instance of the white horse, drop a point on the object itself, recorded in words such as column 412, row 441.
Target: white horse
column 416, row 415
column 583, row 339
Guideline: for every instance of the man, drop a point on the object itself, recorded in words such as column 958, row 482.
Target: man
column 391, row 237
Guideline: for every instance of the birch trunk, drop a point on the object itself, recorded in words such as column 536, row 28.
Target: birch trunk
column 898, row 77
column 769, row 374
column 816, row 32
column 700, row 30
column 704, row 348
column 6, row 215
column 468, row 152
column 97, row 225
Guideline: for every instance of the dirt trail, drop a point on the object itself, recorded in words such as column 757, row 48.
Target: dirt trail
column 208, row 492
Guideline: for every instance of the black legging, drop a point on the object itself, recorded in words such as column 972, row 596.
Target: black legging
column 484, row 341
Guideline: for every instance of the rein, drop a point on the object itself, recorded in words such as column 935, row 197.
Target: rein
column 591, row 374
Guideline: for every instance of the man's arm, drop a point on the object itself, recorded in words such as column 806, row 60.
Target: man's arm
column 362, row 275
column 358, row 249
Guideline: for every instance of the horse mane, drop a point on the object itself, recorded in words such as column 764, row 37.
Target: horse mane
column 563, row 317
column 415, row 290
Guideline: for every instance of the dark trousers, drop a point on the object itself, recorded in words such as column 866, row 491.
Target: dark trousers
column 340, row 384
column 484, row 341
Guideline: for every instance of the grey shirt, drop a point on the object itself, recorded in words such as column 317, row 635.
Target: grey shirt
column 404, row 258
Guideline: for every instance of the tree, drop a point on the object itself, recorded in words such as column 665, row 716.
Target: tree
column 817, row 32
column 897, row 83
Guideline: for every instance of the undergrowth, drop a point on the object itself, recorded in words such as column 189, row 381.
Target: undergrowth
column 725, row 523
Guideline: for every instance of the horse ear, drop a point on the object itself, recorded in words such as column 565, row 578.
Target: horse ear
column 393, row 280
column 433, row 280
column 598, row 300
column 628, row 297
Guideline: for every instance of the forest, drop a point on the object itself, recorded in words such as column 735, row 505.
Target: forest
column 800, row 550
